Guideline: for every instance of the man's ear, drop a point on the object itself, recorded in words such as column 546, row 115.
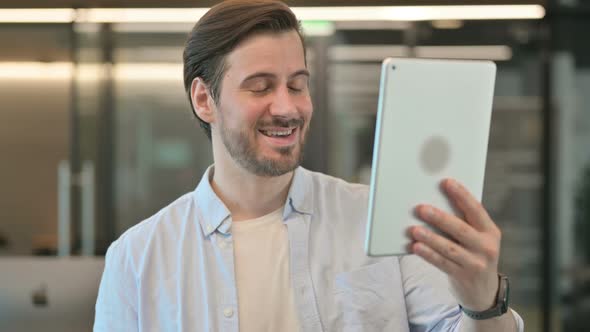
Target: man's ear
column 203, row 103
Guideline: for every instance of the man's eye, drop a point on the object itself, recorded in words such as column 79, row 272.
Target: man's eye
column 296, row 88
column 298, row 85
column 260, row 89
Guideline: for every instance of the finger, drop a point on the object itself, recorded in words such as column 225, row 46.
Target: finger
column 410, row 245
column 446, row 248
column 451, row 225
column 435, row 259
column 474, row 212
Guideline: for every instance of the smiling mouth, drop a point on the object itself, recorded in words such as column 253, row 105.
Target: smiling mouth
column 279, row 129
column 277, row 133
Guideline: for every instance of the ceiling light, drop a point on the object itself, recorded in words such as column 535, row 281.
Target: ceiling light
column 351, row 13
column 480, row 52
column 447, row 24
column 148, row 72
column 140, row 15
column 91, row 72
column 52, row 15
column 420, row 13
column 36, row 70
column 376, row 53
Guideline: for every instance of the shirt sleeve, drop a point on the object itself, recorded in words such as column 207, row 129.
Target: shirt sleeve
column 429, row 301
column 116, row 305
column 519, row 321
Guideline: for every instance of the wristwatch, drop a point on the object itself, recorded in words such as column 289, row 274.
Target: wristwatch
column 499, row 308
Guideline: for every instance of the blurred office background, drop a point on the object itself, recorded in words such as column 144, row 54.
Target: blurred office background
column 96, row 133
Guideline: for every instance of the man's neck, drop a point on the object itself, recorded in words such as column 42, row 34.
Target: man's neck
column 248, row 196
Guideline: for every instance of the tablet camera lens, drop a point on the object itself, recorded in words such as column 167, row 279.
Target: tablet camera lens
column 393, row 67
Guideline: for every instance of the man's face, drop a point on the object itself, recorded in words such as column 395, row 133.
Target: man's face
column 264, row 105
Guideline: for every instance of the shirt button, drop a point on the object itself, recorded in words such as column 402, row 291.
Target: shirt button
column 228, row 312
column 209, row 228
column 222, row 244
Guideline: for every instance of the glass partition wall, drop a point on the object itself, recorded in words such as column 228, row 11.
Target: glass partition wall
column 35, row 95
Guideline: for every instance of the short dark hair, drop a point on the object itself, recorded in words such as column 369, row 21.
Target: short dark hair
column 220, row 30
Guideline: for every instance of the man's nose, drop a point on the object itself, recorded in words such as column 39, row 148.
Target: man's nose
column 283, row 103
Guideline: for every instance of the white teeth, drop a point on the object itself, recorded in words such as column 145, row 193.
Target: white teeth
column 278, row 133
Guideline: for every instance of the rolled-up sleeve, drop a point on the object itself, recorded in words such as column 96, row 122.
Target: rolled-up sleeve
column 116, row 305
column 429, row 301
column 519, row 321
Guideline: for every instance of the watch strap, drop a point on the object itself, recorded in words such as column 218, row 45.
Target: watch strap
column 501, row 305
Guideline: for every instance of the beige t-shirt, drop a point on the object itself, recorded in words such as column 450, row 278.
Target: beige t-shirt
column 265, row 292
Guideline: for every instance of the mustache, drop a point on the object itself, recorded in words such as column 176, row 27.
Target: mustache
column 282, row 122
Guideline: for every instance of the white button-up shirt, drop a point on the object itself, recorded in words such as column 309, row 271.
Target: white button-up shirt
column 172, row 273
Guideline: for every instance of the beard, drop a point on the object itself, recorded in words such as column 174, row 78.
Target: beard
column 243, row 149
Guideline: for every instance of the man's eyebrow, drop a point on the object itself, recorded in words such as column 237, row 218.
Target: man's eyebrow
column 303, row 72
column 258, row 75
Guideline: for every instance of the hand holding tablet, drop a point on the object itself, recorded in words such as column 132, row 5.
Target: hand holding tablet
column 427, row 178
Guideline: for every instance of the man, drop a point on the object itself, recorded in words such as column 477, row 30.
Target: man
column 265, row 245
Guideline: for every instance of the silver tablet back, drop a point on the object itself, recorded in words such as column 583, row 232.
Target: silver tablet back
column 433, row 122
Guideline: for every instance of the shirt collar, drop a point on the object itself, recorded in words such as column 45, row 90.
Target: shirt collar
column 212, row 211
column 215, row 215
column 300, row 197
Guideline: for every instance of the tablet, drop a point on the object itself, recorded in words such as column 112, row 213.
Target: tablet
column 433, row 122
